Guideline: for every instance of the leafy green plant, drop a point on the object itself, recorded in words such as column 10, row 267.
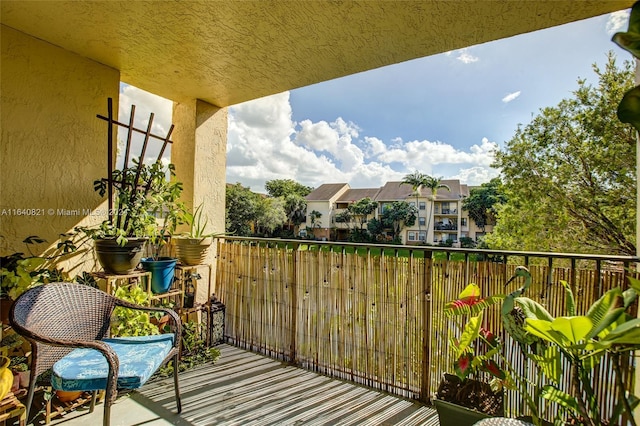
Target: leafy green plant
column 141, row 194
column 194, row 350
column 131, row 322
column 608, row 328
column 197, row 223
column 629, row 107
column 19, row 271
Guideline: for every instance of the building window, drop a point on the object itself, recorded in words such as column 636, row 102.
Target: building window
column 463, row 221
column 423, row 205
column 422, row 221
column 412, row 236
column 422, row 236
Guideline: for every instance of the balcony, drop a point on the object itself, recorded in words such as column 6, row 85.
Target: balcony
column 445, row 227
column 373, row 314
column 356, row 331
column 245, row 388
column 446, row 212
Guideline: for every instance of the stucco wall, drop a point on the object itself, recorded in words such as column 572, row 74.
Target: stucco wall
column 52, row 146
column 199, row 154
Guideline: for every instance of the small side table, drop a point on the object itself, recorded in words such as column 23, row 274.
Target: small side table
column 11, row 408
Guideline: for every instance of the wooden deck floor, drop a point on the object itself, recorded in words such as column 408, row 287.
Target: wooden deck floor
column 244, row 388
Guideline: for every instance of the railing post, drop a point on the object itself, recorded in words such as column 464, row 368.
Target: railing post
column 294, row 304
column 425, row 386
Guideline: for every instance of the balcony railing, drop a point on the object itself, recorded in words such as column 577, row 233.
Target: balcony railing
column 373, row 314
column 446, row 211
column 445, row 227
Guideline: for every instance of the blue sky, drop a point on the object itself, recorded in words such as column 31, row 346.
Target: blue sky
column 443, row 115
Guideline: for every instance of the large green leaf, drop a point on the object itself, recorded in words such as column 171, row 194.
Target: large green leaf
column 629, row 108
column 470, row 292
column 574, row 329
column 556, row 395
column 533, row 309
column 605, row 311
column 543, row 329
column 630, row 40
column 469, row 334
column 627, row 333
column 570, row 303
column 549, row 363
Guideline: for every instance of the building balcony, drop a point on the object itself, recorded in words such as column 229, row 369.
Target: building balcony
column 445, row 227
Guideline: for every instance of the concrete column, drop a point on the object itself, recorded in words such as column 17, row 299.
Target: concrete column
column 199, row 154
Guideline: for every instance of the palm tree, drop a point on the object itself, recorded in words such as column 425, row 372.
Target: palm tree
column 417, row 180
column 434, row 184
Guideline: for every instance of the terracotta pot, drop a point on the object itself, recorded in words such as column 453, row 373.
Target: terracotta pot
column 67, row 396
column 192, row 251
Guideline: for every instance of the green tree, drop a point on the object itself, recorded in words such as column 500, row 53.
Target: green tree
column 417, row 180
column 270, row 215
column 284, row 187
column 569, row 175
column 434, row 183
column 314, row 216
column 398, row 215
column 293, row 194
column 482, row 202
column 241, row 209
column 295, row 207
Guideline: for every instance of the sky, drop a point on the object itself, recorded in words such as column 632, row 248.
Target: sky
column 443, row 115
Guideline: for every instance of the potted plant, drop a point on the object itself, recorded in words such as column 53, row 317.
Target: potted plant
column 191, row 247
column 120, row 239
column 139, row 192
column 464, row 398
column 610, row 327
column 167, row 213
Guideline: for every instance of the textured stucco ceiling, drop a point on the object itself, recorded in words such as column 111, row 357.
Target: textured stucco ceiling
column 226, row 52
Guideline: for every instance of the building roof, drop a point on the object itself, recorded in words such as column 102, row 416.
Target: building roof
column 394, row 191
column 227, row 52
column 359, row 194
column 326, row 192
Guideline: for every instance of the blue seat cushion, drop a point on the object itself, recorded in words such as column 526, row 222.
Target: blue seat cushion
column 87, row 369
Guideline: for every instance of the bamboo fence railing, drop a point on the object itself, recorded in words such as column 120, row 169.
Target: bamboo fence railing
column 374, row 314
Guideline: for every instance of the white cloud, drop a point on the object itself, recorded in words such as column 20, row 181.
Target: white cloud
column 617, row 21
column 313, row 153
column 475, row 176
column 146, row 103
column 467, row 57
column 510, row 97
column 264, row 143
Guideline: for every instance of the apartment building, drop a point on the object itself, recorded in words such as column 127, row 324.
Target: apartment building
column 439, row 218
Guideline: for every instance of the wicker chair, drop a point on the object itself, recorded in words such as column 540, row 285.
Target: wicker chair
column 60, row 318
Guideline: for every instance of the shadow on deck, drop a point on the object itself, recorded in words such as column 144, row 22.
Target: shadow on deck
column 244, row 388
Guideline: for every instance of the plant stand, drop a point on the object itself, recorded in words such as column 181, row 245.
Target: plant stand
column 11, row 408
column 143, row 279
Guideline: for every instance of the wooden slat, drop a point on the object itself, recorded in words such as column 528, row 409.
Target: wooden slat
column 364, row 313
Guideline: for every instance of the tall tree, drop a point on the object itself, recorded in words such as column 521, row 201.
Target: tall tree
column 361, row 210
column 270, row 215
column 398, row 215
column 241, row 209
column 569, row 175
column 293, row 194
column 284, row 187
column 434, row 183
column 482, row 202
column 417, row 180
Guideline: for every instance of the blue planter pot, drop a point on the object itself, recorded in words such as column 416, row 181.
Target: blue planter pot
column 162, row 273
